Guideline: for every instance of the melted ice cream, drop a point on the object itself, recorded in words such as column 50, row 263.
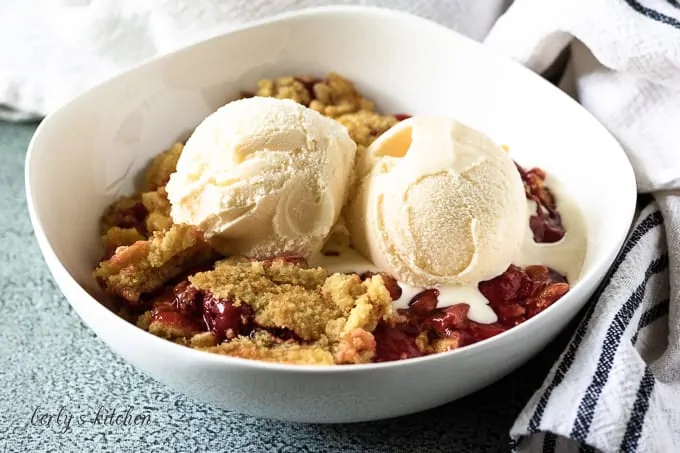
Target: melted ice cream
column 565, row 256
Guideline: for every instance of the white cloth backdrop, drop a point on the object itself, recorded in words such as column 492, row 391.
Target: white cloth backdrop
column 52, row 49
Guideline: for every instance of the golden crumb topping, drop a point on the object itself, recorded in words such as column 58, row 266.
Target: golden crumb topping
column 308, row 302
column 157, row 206
column 145, row 266
column 116, row 237
column 335, row 97
column 161, row 167
column 365, row 126
column 267, row 348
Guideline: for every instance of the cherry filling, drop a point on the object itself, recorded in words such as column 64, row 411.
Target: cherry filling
column 519, row 294
column 186, row 307
column 515, row 296
column 393, row 343
column 225, row 319
column 196, row 311
column 423, row 328
column 546, row 223
column 187, row 300
column 424, row 302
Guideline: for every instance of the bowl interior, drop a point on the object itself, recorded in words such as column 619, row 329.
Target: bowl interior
column 94, row 148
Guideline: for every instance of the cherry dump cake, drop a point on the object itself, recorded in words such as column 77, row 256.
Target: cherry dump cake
column 289, row 262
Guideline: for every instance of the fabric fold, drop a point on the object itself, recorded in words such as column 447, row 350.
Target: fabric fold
column 617, row 385
column 59, row 48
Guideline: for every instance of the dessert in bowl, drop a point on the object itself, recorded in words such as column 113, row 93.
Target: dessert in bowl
column 300, row 226
column 332, row 245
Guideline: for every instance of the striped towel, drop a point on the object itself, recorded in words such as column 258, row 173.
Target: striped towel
column 617, row 385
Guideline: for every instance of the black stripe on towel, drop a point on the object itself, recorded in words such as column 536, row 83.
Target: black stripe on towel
column 636, row 421
column 612, row 340
column 674, row 3
column 654, row 14
column 549, row 442
column 652, row 220
column 656, row 312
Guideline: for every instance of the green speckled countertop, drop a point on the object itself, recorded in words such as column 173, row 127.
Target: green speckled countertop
column 50, row 363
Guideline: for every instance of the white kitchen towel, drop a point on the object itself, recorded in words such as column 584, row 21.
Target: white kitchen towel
column 617, row 385
column 52, row 50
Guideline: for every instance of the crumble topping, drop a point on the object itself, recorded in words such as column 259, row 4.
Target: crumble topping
column 116, row 237
column 161, row 167
column 335, row 97
column 158, row 210
column 145, row 266
column 275, row 310
column 308, row 302
column 268, row 348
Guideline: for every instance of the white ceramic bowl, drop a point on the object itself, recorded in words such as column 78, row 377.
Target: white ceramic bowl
column 93, row 148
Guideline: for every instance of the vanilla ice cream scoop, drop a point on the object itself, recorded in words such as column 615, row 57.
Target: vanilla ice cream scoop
column 443, row 204
column 262, row 177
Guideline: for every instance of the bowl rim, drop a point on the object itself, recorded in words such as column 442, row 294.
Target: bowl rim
column 64, row 278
